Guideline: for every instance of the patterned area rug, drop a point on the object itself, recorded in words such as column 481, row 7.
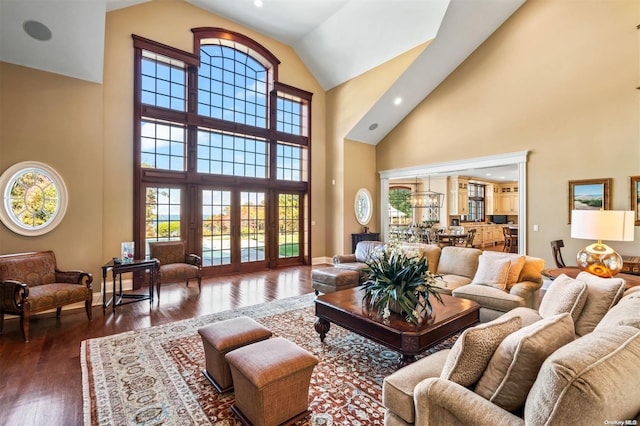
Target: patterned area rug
column 153, row 376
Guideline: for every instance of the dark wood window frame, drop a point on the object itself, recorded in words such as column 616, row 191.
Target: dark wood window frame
column 189, row 180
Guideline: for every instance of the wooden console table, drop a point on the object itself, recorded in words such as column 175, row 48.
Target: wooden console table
column 632, row 280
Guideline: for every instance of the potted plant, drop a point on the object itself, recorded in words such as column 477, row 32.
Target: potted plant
column 399, row 280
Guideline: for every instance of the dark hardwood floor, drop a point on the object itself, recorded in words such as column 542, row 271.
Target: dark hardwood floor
column 41, row 381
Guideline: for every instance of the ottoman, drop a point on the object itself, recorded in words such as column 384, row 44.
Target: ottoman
column 224, row 336
column 328, row 280
column 271, row 380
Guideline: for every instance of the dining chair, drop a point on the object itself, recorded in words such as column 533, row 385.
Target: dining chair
column 556, row 245
column 510, row 239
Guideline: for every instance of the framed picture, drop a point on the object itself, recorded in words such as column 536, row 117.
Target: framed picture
column 589, row 194
column 634, row 199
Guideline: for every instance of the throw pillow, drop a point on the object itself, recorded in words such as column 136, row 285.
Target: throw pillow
column 492, row 272
column 514, row 366
column 626, row 312
column 517, row 263
column 602, row 294
column 565, row 294
column 471, row 353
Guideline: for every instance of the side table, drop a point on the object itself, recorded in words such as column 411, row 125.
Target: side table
column 117, row 269
column 573, row 271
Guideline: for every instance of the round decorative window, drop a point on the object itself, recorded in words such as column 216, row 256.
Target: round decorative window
column 34, row 198
column 363, row 206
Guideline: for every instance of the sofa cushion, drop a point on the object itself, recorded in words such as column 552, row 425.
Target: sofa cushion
column 489, row 297
column 602, row 294
column 593, row 378
column 514, row 366
column 517, row 263
column 625, row 312
column 461, row 261
column 449, row 282
column 430, row 251
column 565, row 294
column 474, row 348
column 397, row 388
column 492, row 272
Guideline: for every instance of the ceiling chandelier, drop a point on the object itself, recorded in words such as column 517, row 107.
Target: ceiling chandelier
column 429, row 198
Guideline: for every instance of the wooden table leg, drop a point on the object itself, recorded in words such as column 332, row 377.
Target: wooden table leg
column 322, row 327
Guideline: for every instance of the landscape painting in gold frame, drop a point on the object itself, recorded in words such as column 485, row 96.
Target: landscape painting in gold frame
column 634, row 185
column 589, row 194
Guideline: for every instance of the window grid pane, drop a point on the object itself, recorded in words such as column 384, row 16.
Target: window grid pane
column 252, row 226
column 230, row 154
column 162, row 215
column 162, row 146
column 232, row 86
column 289, row 116
column 216, row 227
column 162, row 85
column 289, row 225
column 289, row 163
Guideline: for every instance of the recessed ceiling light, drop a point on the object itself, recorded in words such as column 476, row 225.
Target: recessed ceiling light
column 257, row 3
column 488, row 174
column 397, row 101
column 373, row 126
column 37, row 30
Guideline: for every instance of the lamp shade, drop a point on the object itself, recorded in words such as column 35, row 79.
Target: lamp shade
column 607, row 225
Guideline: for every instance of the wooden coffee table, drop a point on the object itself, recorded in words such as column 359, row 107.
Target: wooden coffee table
column 346, row 309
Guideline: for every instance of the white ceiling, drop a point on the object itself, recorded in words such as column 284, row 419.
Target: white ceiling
column 337, row 40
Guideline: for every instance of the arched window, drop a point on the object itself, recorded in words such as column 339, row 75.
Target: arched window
column 223, row 151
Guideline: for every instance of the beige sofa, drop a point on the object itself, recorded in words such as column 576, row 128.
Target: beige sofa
column 459, row 267
column 575, row 361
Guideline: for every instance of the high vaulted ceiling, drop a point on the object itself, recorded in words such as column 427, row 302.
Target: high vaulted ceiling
column 337, row 40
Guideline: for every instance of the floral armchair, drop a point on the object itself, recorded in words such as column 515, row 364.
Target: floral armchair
column 32, row 282
column 175, row 264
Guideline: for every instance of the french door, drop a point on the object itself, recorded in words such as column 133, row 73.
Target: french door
column 232, row 229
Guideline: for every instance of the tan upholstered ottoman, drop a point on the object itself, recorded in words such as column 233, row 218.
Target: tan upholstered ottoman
column 224, row 336
column 328, row 280
column 271, row 380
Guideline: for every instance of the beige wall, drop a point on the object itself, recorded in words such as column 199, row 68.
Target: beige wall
column 559, row 80
column 58, row 121
column 85, row 132
column 346, row 170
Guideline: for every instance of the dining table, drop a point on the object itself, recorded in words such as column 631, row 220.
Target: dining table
column 452, row 239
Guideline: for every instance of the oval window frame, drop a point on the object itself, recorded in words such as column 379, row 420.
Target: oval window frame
column 363, row 206
column 6, row 214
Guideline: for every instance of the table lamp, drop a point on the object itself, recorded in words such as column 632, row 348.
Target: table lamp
column 611, row 225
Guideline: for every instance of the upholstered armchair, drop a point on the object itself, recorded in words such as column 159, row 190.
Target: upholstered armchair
column 32, row 282
column 175, row 264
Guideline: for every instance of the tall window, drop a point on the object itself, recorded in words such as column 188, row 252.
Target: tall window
column 222, row 152
column 476, row 202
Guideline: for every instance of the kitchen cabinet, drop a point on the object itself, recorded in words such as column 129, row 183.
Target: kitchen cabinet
column 508, row 199
column 487, row 234
column 458, row 196
column 491, row 199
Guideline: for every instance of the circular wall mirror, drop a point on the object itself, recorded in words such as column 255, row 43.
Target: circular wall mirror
column 363, row 206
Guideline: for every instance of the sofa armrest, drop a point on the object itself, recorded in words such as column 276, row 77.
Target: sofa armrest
column 344, row 258
column 13, row 294
column 74, row 277
column 525, row 289
column 440, row 401
column 193, row 259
